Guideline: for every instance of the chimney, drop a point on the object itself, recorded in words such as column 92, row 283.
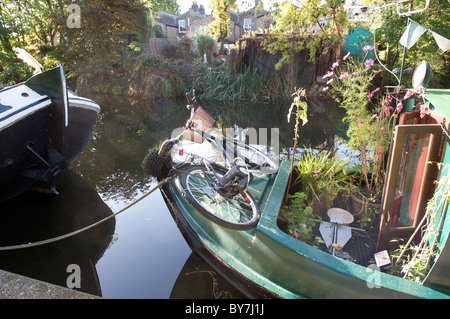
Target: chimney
column 202, row 9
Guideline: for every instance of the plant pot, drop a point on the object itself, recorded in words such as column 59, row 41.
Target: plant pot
column 365, row 213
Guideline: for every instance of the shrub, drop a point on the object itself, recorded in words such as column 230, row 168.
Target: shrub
column 205, row 45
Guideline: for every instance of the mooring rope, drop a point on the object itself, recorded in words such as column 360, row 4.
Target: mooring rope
column 54, row 239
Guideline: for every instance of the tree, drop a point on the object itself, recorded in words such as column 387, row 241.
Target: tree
column 166, row 5
column 106, row 30
column 389, row 28
column 220, row 28
column 313, row 24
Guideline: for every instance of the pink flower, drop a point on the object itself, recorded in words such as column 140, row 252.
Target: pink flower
column 367, row 48
column 424, row 110
column 360, row 121
column 380, row 152
column 375, row 71
column 344, row 75
column 368, row 63
column 346, row 56
column 316, row 172
column 335, row 64
column 325, row 88
column 399, row 107
column 329, row 81
column 327, row 75
column 388, row 100
column 370, row 95
column 382, row 131
column 355, row 73
column 387, row 110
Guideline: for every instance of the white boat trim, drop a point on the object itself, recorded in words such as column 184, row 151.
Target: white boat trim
column 77, row 101
column 16, row 114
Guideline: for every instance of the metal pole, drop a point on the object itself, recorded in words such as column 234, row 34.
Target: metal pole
column 403, row 58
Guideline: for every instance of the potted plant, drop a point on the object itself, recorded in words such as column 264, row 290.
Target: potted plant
column 321, row 176
column 350, row 81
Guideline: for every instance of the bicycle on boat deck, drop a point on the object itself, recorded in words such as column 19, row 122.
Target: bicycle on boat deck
column 218, row 188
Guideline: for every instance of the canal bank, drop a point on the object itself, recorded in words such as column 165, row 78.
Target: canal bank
column 13, row 286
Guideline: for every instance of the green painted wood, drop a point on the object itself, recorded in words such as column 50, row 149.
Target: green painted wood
column 292, row 269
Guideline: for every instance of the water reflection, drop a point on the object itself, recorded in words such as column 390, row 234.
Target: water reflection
column 33, row 217
column 140, row 253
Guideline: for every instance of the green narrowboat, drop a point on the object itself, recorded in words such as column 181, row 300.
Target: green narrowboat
column 267, row 262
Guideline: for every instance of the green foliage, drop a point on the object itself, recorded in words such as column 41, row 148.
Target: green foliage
column 166, row 5
column 205, row 45
column 299, row 216
column 92, row 53
column 294, row 24
column 220, row 27
column 12, row 72
column 321, row 176
column 368, row 123
column 154, row 77
column 414, row 264
column 389, row 28
column 248, row 86
column 183, row 49
column 414, row 260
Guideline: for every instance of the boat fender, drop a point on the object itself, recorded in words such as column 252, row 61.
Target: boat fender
column 156, row 165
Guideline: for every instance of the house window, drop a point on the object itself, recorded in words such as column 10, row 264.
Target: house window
column 247, row 24
column 182, row 26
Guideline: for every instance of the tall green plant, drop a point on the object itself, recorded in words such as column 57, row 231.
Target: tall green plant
column 205, row 45
column 322, row 176
column 301, row 114
column 351, row 82
column 220, row 28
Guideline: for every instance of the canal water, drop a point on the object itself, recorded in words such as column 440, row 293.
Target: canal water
column 139, row 253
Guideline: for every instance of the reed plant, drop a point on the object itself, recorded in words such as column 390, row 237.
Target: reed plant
column 248, row 86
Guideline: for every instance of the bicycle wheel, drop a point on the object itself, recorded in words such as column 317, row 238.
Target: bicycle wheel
column 201, row 190
column 258, row 161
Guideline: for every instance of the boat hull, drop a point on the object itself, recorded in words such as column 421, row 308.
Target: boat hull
column 41, row 134
column 278, row 264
